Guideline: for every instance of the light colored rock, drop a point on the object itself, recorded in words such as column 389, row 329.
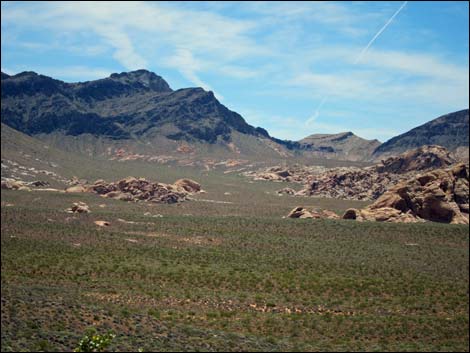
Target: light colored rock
column 287, row 191
column 419, row 159
column 76, row 188
column 188, row 185
column 79, row 207
column 439, row 196
column 11, row 184
column 102, row 223
column 299, row 212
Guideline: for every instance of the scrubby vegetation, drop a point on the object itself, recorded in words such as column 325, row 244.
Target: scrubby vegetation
column 219, row 276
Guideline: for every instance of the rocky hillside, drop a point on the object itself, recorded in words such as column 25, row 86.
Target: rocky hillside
column 137, row 112
column 137, row 104
column 450, row 131
column 418, row 159
column 345, row 145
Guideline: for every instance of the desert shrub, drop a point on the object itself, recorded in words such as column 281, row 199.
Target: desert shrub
column 93, row 342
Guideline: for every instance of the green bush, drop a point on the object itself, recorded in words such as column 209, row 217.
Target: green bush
column 92, row 342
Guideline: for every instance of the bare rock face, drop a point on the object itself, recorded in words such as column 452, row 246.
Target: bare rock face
column 422, row 158
column 140, row 189
column 441, row 195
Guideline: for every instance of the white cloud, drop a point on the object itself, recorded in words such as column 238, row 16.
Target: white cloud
column 266, row 45
column 389, row 76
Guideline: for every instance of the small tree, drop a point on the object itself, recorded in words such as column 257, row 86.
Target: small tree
column 92, row 342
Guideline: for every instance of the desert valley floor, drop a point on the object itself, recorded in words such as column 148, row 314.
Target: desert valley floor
column 225, row 271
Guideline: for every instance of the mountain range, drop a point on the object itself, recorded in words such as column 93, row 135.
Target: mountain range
column 139, row 111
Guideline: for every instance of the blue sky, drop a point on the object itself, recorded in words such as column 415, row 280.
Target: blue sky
column 272, row 62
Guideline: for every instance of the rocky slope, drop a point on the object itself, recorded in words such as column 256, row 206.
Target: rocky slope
column 138, row 112
column 345, row 146
column 133, row 106
column 418, row 159
column 450, row 131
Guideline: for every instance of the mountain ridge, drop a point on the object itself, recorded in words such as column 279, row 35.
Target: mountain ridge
column 450, row 131
column 141, row 106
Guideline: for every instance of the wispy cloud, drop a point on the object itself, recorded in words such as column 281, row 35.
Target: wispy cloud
column 306, row 55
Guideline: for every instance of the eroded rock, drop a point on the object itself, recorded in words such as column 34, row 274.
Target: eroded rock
column 301, row 212
column 441, row 195
column 79, row 207
column 140, row 189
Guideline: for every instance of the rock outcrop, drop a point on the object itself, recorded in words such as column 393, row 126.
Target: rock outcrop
column 78, row 207
column 188, row 185
column 301, row 212
column 286, row 191
column 354, row 183
column 133, row 189
column 12, row 184
column 350, row 183
column 441, row 195
column 419, row 159
column 76, row 188
column 102, row 223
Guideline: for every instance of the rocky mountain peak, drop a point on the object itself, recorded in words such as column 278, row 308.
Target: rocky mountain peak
column 144, row 77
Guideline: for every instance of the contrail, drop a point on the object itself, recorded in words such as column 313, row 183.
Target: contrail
column 379, row 33
column 317, row 111
column 359, row 57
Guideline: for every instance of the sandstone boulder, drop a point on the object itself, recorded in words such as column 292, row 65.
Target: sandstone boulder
column 79, row 207
column 76, row 188
column 287, row 191
column 301, row 212
column 188, row 185
column 11, row 184
column 102, row 223
column 440, row 196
